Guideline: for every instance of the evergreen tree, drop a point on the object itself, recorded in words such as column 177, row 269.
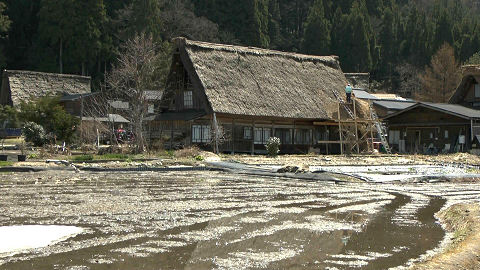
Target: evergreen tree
column 443, row 29
column 317, row 31
column 4, row 20
column 89, row 23
column 140, row 16
column 274, row 24
column 56, row 25
column 22, row 34
column 474, row 59
column 388, row 40
column 257, row 35
column 4, row 26
column 354, row 45
column 374, row 7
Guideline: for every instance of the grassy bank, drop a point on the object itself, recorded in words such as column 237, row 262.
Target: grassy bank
column 80, row 158
column 463, row 221
column 6, row 163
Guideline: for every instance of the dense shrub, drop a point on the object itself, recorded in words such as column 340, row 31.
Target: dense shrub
column 48, row 113
column 273, row 146
column 34, row 133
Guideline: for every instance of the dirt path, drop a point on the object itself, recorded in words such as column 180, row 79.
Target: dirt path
column 463, row 221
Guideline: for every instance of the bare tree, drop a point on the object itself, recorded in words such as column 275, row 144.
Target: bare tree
column 96, row 113
column 133, row 75
column 409, row 81
column 440, row 78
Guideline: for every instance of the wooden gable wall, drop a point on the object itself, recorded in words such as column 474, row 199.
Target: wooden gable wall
column 180, row 80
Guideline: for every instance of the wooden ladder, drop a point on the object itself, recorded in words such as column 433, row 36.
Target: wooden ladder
column 380, row 129
column 344, row 104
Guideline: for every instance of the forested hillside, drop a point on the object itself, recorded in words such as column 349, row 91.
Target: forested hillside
column 387, row 38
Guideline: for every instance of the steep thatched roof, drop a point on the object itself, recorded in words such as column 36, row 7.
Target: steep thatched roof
column 470, row 74
column 22, row 85
column 251, row 81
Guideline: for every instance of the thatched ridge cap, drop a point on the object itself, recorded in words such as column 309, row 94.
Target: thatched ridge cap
column 36, row 73
column 357, row 73
column 331, row 60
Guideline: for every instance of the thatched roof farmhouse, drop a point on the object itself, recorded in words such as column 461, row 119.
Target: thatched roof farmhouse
column 252, row 93
column 468, row 91
column 257, row 82
column 18, row 86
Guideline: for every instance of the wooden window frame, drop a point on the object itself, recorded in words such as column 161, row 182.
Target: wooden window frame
column 188, row 99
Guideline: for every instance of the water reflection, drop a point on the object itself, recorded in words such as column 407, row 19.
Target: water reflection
column 220, row 221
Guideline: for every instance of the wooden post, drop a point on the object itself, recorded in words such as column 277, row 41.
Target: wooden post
column 294, row 135
column 171, row 135
column 233, row 136
column 215, row 126
column 356, row 127
column 340, row 129
column 253, row 138
column 81, row 118
column 273, row 129
column 471, row 129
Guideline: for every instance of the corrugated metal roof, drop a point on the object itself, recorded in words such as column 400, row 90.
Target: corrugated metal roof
column 153, row 95
column 454, row 108
column 394, row 104
column 362, row 94
column 388, row 96
column 116, row 118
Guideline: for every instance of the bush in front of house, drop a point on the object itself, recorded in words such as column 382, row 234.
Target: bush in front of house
column 34, row 133
column 48, row 113
column 273, row 146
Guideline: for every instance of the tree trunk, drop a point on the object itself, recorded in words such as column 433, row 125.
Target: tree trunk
column 60, row 58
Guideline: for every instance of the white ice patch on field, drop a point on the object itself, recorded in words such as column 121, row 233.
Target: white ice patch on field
column 369, row 208
column 247, row 260
column 19, row 238
column 397, row 172
column 317, row 223
column 205, row 235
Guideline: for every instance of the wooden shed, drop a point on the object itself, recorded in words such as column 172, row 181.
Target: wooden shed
column 433, row 128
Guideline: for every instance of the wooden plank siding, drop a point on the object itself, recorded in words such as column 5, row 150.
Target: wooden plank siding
column 309, row 137
column 422, row 128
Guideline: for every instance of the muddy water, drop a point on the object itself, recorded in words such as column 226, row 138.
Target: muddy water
column 219, row 221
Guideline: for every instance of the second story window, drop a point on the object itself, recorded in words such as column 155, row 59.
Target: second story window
column 188, row 99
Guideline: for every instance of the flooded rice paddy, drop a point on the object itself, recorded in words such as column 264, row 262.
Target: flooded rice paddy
column 215, row 220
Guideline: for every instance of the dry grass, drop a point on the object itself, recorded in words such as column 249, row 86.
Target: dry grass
column 463, row 220
column 189, row 152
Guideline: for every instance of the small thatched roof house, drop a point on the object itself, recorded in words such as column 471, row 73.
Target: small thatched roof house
column 253, row 93
column 468, row 91
column 19, row 85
